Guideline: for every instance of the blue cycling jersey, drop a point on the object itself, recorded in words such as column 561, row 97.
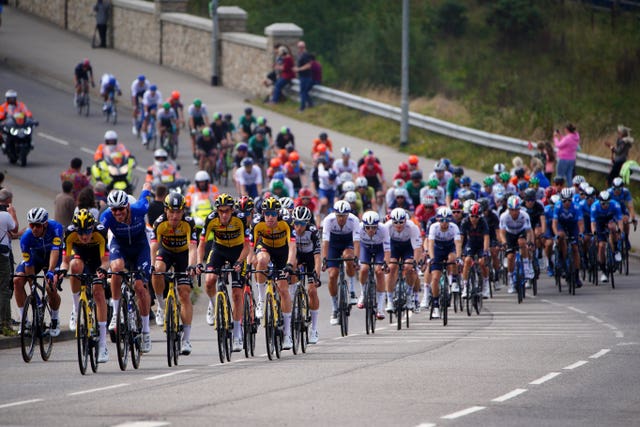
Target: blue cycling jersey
column 548, row 216
column 570, row 215
column 39, row 248
column 136, row 230
column 623, row 198
column 602, row 216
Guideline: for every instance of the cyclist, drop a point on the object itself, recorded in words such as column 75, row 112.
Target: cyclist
column 366, row 194
column 441, row 174
column 173, row 244
column 230, row 244
column 129, row 247
column 150, row 102
column 401, row 200
column 454, row 184
column 178, row 108
column 284, row 138
column 445, row 245
column 374, row 241
column 424, row 212
column 414, row 186
column 274, row 243
column 475, row 241
column 516, row 232
column 340, row 239
column 206, row 150
column 434, row 189
column 403, row 172
column 109, row 86
column 327, row 188
column 295, row 170
column 244, row 209
column 221, row 131
column 606, row 214
column 346, row 163
column 308, row 254
column 356, row 205
column 258, row 146
column 248, row 179
column 493, row 222
column 535, row 209
column 168, row 122
column 86, row 251
column 247, row 124
column 322, row 139
column 40, row 245
column 548, row 235
column 585, row 207
column 567, row 223
column 198, row 121
column 622, row 195
column 138, row 88
column 83, row 74
column 372, row 171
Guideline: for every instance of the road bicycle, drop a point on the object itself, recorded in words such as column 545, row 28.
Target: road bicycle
column 110, row 109
column 36, row 320
column 344, row 299
column 444, row 299
column 222, row 318
column 169, row 142
column 87, row 332
column 370, row 303
column 272, row 318
column 592, row 260
column 221, row 166
column 300, row 314
column 400, row 297
column 152, row 135
column 250, row 322
column 518, row 277
column 128, row 322
column 83, row 100
column 474, row 288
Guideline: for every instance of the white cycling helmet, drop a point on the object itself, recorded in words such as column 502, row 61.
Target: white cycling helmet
column 117, row 199
column 444, row 212
column 37, row 216
column 617, row 182
column 342, row 207
column 554, row 199
column 370, row 218
column 351, row 197
column 348, row 186
column 605, row 195
column 398, row 215
column 346, row 151
column 399, row 192
column 286, row 202
column 160, row 152
column 566, row 194
column 302, row 213
column 345, row 176
column 361, row 181
column 110, row 135
column 578, row 179
column 466, row 206
column 439, row 167
column 201, row 176
column 499, row 168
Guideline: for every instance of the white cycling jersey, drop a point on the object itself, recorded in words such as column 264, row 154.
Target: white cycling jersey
column 136, row 87
column 197, row 113
column 437, row 192
column 409, row 233
column 515, row 226
column 104, row 82
column 244, row 178
column 351, row 166
column 332, row 231
column 323, row 177
column 445, row 178
column 380, row 238
column 451, row 234
column 150, row 99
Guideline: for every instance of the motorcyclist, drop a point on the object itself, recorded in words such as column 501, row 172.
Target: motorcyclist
column 110, row 146
column 200, row 197
column 11, row 106
column 164, row 171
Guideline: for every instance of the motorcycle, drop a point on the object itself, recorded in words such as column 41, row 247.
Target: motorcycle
column 116, row 172
column 17, row 131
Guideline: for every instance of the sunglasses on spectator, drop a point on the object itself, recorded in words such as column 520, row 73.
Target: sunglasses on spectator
column 270, row 213
column 300, row 223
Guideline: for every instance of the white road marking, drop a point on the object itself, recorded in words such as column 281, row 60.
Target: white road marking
column 600, row 353
column 619, row 334
column 426, row 425
column 464, row 412
column 22, row 402
column 53, row 138
column 627, row 343
column 544, row 379
column 169, row 374
column 93, row 390
column 577, row 310
column 595, row 319
column 87, row 150
column 141, row 169
column 143, row 424
column 610, row 326
column 510, row 395
column 576, row 365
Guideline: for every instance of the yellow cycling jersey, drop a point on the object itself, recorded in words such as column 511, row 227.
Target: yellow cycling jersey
column 231, row 235
column 176, row 239
column 96, row 247
column 277, row 237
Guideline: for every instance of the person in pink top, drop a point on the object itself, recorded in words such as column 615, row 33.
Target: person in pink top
column 567, row 145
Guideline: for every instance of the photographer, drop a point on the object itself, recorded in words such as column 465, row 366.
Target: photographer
column 8, row 226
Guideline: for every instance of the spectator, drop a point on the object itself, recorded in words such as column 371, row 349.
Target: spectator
column 156, row 207
column 65, row 204
column 304, row 75
column 567, row 144
column 550, row 160
column 87, row 200
column 102, row 10
column 286, row 74
column 1, row 180
column 8, row 227
column 272, row 76
column 316, row 71
column 619, row 152
column 75, row 175
column 536, row 172
column 100, row 195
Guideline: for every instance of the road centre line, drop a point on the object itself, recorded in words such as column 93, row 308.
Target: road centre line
column 464, row 412
column 595, row 319
column 545, row 378
column 577, row 310
column 141, row 169
column 426, row 425
column 619, row 334
column 168, row 374
column 510, row 395
column 22, row 402
column 600, row 353
column 576, row 365
column 610, row 326
column 143, row 424
column 93, row 390
column 87, row 150
column 53, row 138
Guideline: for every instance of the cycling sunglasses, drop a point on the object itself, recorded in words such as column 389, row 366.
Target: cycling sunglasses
column 85, row 232
column 370, row 227
column 300, row 223
column 120, row 209
column 270, row 213
column 398, row 222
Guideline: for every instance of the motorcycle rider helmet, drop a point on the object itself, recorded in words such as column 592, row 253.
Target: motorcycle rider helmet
column 110, row 137
column 83, row 221
column 197, row 103
column 302, row 213
column 224, row 200
column 370, row 218
column 117, row 199
column 201, row 176
column 11, row 96
column 174, row 202
column 175, row 95
column 160, row 156
column 37, row 216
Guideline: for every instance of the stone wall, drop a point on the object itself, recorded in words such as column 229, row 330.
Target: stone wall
column 244, row 62
column 186, row 44
column 136, row 30
column 51, row 10
column 81, row 18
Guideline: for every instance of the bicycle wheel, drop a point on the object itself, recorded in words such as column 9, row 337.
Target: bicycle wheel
column 625, row 258
column 28, row 329
column 571, row 278
column 306, row 319
column 170, row 329
column 269, row 327
column 228, row 344
column 46, row 340
column 248, row 338
column 82, row 337
column 519, row 282
column 399, row 303
column 94, row 338
column 343, row 303
column 477, row 300
column 122, row 334
column 556, row 269
column 444, row 306
column 221, row 330
column 278, row 326
column 135, row 334
column 296, row 322
column 611, row 267
column 87, row 104
column 470, row 286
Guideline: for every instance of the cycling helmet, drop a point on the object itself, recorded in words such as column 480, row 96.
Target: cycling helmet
column 428, row 200
column 499, row 168
column 112, row 81
column 466, row 206
column 323, row 136
column 554, row 199
column 485, row 203
column 160, row 152
column 519, row 172
column 286, row 202
column 416, row 175
column 37, row 216
column 201, row 176
column 244, row 204
column 617, row 182
column 397, row 183
column 578, row 179
column 275, row 163
column 345, row 176
column 514, row 202
column 206, row 131
column 302, row 213
column 398, row 215
column 261, row 120
column 444, row 213
column 284, row 130
column 166, row 106
column 413, row 159
column 86, row 62
column 141, row 78
column 604, row 196
column 534, row 181
column 342, row 207
column 197, row 103
column 370, row 160
column 110, row 135
column 458, row 171
column 433, row 183
column 348, row 186
column 294, row 156
column 305, row 193
column 504, row 176
column 590, row 191
column 153, row 88
column 174, row 201
column 530, row 194
column 467, row 195
column 175, row 95
column 332, row 175
column 217, row 116
column 228, row 117
column 361, row 182
column 439, row 167
column 558, row 179
column 351, row 197
column 399, row 192
column 346, row 151
column 522, row 185
column 224, row 200
column 248, row 111
column 370, row 218
column 465, row 180
column 566, row 194
column 117, row 199
column 83, row 220
column 242, row 147
column 247, row 161
column 456, row 205
column 583, row 186
column 489, row 181
column 278, row 176
column 271, row 204
column 476, row 209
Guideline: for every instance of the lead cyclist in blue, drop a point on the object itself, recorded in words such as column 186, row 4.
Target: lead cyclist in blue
column 568, row 224
column 606, row 221
column 622, row 195
column 129, row 245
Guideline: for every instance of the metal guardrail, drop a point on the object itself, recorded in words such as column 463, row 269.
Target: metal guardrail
column 478, row 137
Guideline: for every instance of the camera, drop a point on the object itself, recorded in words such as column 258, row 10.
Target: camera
column 3, row 208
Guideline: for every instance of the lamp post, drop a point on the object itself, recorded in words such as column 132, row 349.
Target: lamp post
column 404, row 91
column 213, row 12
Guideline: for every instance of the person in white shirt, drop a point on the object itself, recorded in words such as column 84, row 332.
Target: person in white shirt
column 346, row 163
column 151, row 99
column 374, row 242
column 248, row 179
column 138, row 87
column 8, row 225
column 108, row 84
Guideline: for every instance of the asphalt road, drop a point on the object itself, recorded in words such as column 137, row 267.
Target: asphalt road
column 554, row 360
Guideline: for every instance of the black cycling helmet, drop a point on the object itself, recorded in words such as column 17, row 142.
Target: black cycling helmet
column 83, row 220
column 458, row 171
column 224, row 200
column 530, row 194
column 174, row 202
